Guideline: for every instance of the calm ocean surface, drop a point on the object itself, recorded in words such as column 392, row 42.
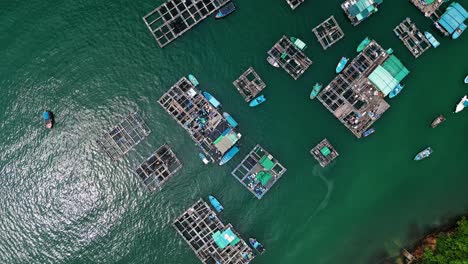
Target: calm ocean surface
column 92, row 62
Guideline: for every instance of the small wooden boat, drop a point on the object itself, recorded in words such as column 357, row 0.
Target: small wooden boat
column 437, row 121
column 396, row 91
column 226, row 10
column 48, row 118
column 273, row 62
column 368, row 132
column 229, row 155
column 462, row 104
column 203, row 158
column 216, row 204
column 230, row 120
column 213, row 101
column 256, row 245
column 363, row 44
column 424, row 154
column 259, row 100
column 193, row 80
column 342, row 64
column 315, row 90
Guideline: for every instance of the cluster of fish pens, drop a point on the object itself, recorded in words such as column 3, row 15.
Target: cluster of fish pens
column 356, row 97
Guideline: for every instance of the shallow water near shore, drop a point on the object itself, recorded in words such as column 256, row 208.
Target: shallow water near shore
column 91, row 63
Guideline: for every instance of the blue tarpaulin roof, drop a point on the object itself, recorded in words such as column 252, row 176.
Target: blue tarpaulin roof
column 454, row 16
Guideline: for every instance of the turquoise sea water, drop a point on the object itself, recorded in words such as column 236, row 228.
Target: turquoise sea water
column 92, row 62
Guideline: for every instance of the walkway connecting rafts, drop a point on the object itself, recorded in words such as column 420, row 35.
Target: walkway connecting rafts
column 124, row 136
column 156, row 170
column 211, row 240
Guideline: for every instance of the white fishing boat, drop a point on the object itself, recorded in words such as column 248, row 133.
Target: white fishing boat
column 462, row 104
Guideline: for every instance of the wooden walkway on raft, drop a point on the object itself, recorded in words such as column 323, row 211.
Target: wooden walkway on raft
column 123, row 137
column 204, row 123
column 249, row 84
column 414, row 40
column 324, row 153
column 258, row 171
column 175, row 17
column 429, row 10
column 328, row 32
column 351, row 97
column 290, row 57
column 158, row 168
column 198, row 224
column 294, row 3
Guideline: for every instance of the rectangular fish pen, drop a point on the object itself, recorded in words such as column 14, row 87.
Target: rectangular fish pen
column 249, row 84
column 324, row 153
column 124, row 136
column 351, row 97
column 258, row 171
column 290, row 57
column 158, row 168
column 210, row 239
column 294, row 3
column 205, row 124
column 414, row 40
column 328, row 32
column 175, row 17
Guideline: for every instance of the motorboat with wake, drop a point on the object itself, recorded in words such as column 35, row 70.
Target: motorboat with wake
column 424, row 154
column 462, row 104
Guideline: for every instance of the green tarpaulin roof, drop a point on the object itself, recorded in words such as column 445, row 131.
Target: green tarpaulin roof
column 388, row 75
column 325, row 151
column 263, row 177
column 266, row 163
column 225, row 238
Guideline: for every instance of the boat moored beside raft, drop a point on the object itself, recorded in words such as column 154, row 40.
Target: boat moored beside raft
column 432, row 39
column 231, row 121
column 229, row 155
column 216, row 204
column 256, row 245
column 257, row 101
column 272, row 62
column 396, row 91
column 226, row 10
column 342, row 64
column 315, row 90
column 213, row 101
column 193, row 80
column 298, row 43
column 363, row 44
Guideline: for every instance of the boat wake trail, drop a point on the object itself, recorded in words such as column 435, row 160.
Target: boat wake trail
column 329, row 184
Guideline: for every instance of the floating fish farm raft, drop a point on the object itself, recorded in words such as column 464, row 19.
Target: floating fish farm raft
column 294, row 3
column 356, row 96
column 158, row 168
column 428, row 8
column 249, row 84
column 124, row 136
column 328, row 32
column 175, row 17
column 258, row 171
column 324, row 153
column 290, row 57
column 211, row 240
column 413, row 39
column 359, row 10
column 204, row 123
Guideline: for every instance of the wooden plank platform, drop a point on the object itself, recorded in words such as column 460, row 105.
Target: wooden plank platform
column 414, row 40
column 204, row 123
column 123, row 137
column 351, row 97
column 251, row 171
column 156, row 170
column 294, row 3
column 198, row 224
column 328, row 32
column 173, row 18
column 289, row 57
column 249, row 84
